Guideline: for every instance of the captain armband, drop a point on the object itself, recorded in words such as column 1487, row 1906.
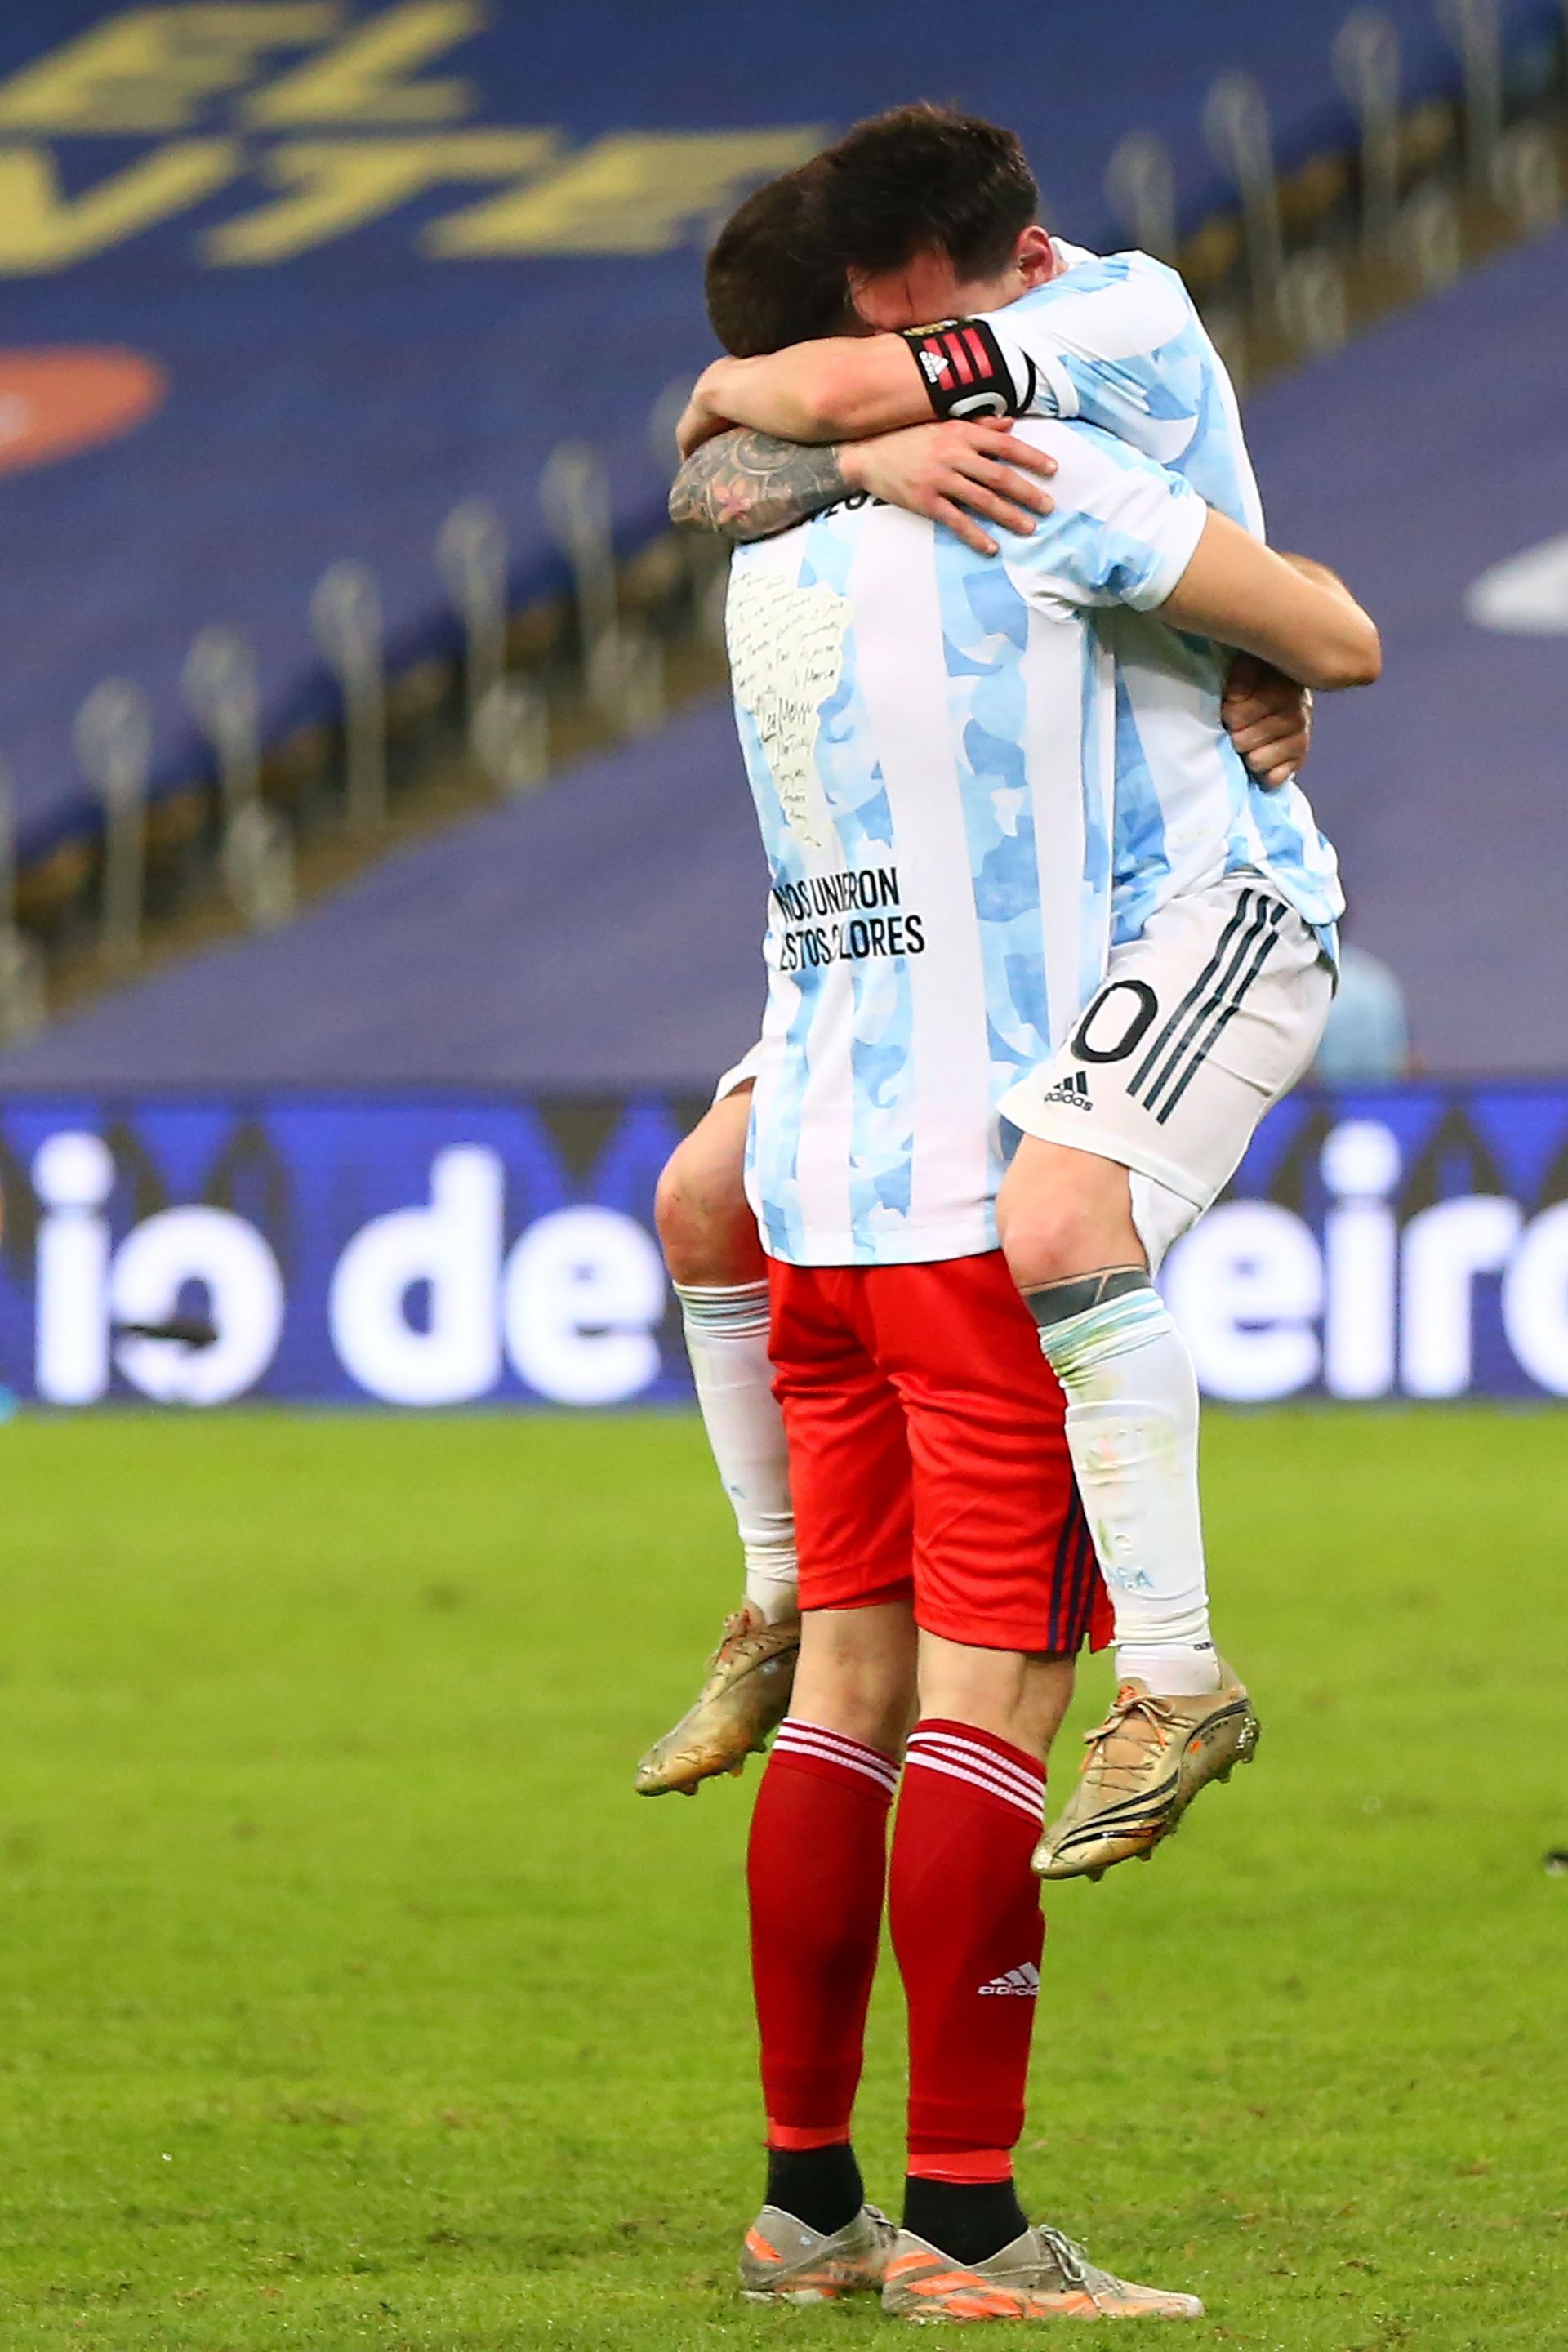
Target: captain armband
column 966, row 372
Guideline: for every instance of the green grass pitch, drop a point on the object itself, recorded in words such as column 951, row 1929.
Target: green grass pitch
column 349, row 1998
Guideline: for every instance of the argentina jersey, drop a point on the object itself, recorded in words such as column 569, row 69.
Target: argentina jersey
column 1117, row 342
column 931, row 740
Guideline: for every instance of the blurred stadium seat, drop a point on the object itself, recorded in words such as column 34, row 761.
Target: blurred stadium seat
column 1421, row 458
column 607, row 933
column 365, row 287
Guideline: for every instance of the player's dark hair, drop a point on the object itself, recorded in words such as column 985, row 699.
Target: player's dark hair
column 925, row 179
column 770, row 280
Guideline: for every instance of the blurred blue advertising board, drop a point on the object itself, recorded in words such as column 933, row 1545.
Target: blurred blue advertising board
column 446, row 1250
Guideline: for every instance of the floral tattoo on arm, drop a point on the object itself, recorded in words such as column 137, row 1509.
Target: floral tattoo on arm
column 745, row 484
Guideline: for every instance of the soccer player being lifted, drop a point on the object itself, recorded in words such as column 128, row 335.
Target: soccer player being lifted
column 935, row 744
column 1218, row 975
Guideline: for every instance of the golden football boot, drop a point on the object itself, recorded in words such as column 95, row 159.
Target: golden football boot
column 745, row 1697
column 783, row 2261
column 1041, row 2276
column 1145, row 1764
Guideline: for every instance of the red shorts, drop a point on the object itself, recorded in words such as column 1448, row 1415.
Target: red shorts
column 927, row 1455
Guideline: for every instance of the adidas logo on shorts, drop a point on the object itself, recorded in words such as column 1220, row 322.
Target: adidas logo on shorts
column 1024, row 1982
column 1074, row 1090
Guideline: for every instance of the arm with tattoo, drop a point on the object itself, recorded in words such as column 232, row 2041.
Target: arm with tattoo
column 745, row 485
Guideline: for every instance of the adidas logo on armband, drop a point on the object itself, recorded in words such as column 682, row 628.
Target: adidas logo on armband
column 1073, row 1090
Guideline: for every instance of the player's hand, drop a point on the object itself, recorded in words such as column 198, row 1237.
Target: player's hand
column 700, row 419
column 1268, row 718
column 955, row 473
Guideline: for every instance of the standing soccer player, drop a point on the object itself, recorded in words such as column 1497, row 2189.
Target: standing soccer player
column 930, row 739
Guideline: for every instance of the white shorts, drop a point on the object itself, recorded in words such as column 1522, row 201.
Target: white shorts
column 1202, row 1023
column 745, row 1072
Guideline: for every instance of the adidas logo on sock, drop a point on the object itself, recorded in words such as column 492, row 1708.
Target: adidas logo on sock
column 1073, row 1090
column 1025, row 1982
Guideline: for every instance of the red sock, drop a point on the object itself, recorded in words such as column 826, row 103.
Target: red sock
column 816, row 1871
column 967, row 1931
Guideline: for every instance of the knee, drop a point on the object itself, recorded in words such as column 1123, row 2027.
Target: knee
column 857, row 1673
column 1046, row 1240
column 705, row 1225
column 875, row 1707
column 1062, row 1213
column 680, row 1220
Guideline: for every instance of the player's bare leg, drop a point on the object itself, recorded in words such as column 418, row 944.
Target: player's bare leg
column 1180, row 1718
column 716, row 1263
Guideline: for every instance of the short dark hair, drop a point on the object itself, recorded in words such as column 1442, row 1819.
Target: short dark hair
column 770, row 280
column 926, row 179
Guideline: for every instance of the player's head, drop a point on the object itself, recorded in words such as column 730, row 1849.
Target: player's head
column 931, row 213
column 770, row 280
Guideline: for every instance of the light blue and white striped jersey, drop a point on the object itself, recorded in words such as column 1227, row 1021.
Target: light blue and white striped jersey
column 1117, row 342
column 931, row 739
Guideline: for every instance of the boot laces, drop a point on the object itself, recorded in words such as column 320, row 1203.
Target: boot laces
column 1130, row 1711
column 1068, row 2255
column 738, row 1626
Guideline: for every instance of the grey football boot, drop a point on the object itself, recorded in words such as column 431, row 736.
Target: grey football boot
column 1041, row 2276
column 783, row 2261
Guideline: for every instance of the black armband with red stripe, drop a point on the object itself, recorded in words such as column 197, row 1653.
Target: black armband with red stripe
column 966, row 373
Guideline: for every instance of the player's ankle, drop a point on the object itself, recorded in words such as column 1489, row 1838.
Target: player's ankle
column 1174, row 1669
column 773, row 1580
column 969, row 2220
column 819, row 2186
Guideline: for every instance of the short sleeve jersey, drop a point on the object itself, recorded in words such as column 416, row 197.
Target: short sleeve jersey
column 931, row 738
column 1115, row 342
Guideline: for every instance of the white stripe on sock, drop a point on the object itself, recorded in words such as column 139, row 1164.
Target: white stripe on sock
column 867, row 1758
column 1032, row 1799
column 1016, row 1779
column 1034, row 1810
column 833, row 1747
column 800, row 1723
column 825, row 1731
column 843, row 1763
column 734, row 1310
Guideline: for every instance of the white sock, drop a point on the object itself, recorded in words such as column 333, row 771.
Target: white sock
column 1132, row 1432
column 1180, row 1671
column 727, row 1340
